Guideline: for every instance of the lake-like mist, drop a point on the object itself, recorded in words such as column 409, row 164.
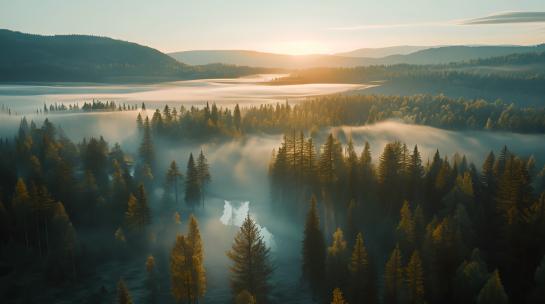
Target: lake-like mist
column 239, row 168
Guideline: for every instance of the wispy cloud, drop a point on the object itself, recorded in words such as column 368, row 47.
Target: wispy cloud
column 508, row 17
column 391, row 25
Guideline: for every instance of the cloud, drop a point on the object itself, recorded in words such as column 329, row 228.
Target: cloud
column 387, row 26
column 508, row 17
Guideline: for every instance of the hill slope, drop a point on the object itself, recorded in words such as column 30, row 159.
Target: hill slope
column 67, row 58
column 439, row 55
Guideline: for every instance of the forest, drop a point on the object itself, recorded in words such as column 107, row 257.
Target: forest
column 451, row 231
column 338, row 110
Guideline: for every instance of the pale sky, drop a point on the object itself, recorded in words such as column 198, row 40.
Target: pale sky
column 294, row 26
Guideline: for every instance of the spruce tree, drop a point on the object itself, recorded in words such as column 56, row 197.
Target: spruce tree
column 493, row 292
column 406, row 229
column 338, row 297
column 313, row 249
column 173, row 179
column 244, row 297
column 393, row 278
column 359, row 273
column 198, row 274
column 415, row 279
column 192, row 184
column 337, row 260
column 21, row 205
column 152, row 281
column 204, row 174
column 146, row 150
column 123, row 296
column 237, row 119
column 251, row 269
column 180, row 271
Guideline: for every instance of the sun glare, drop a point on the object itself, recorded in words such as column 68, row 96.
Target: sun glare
column 299, row 47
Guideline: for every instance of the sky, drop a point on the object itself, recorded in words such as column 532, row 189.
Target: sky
column 292, row 27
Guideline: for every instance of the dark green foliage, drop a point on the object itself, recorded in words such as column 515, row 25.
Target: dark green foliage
column 251, row 269
column 192, row 183
column 313, row 250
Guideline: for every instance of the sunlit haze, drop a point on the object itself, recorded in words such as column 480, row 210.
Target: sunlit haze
column 292, row 27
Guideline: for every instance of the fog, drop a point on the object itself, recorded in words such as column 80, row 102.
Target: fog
column 239, row 168
column 25, row 99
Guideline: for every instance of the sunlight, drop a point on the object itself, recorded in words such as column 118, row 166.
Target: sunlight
column 299, row 47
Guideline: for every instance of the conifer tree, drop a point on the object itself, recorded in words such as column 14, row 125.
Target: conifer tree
column 313, row 249
column 180, row 271
column 144, row 212
column 337, row 260
column 415, row 279
column 359, row 273
column 152, row 279
column 406, row 229
column 139, row 123
column 21, row 205
column 471, row 276
column 173, row 179
column 237, row 118
column 192, row 184
column 204, row 174
column 393, row 278
column 197, row 260
column 244, row 297
column 493, row 292
column 146, row 150
column 251, row 269
column 123, row 296
column 338, row 297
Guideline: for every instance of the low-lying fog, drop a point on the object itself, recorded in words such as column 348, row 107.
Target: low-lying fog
column 225, row 92
column 239, row 167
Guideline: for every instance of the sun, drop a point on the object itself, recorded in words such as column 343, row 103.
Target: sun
column 298, row 47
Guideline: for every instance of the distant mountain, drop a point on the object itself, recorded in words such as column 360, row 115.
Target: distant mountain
column 262, row 59
column 448, row 54
column 66, row 58
column 437, row 55
column 382, row 52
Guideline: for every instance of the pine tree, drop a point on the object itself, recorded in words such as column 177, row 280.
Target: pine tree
column 415, row 279
column 197, row 262
column 180, row 271
column 415, row 173
column 192, row 185
column 330, row 161
column 204, row 174
column 152, row 280
column 338, row 297
column 393, row 278
column 138, row 215
column 146, row 150
column 173, row 179
column 244, row 297
column 139, row 123
column 123, row 296
column 313, row 249
column 144, row 212
column 406, row 229
column 359, row 273
column 539, row 280
column 471, row 276
column 251, row 269
column 237, row 118
column 21, row 205
column 352, row 170
column 493, row 292
column 337, row 259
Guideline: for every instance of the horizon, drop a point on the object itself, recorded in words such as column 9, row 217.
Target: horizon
column 295, row 29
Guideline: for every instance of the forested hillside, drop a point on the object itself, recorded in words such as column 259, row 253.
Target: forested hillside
column 79, row 58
